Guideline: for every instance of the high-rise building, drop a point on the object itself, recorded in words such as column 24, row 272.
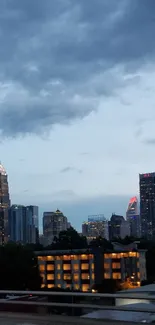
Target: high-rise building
column 53, row 223
column 118, row 227
column 23, row 224
column 4, row 205
column 96, row 226
column 147, row 205
column 132, row 216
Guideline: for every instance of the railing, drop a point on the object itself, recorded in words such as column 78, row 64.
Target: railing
column 73, row 305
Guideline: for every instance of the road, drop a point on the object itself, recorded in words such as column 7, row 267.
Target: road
column 27, row 319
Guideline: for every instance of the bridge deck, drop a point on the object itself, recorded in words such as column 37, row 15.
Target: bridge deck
column 27, row 319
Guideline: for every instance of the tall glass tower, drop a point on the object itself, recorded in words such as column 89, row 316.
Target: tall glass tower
column 4, row 205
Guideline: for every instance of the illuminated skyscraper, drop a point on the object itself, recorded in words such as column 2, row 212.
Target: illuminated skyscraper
column 147, row 205
column 132, row 216
column 4, row 205
column 96, row 226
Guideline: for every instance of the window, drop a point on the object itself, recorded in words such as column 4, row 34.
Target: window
column 116, row 276
column 76, row 267
column 93, row 276
column 58, row 266
column 84, row 256
column 138, row 265
column 58, row 258
column 50, row 267
column 58, row 276
column 42, row 268
column 74, row 257
column 107, row 256
column 116, row 265
column 66, row 257
column 132, row 254
column 76, row 277
column 85, row 287
column 92, row 266
column 67, row 277
column 42, row 258
column 66, row 267
column 50, row 276
column 85, row 266
column 50, row 258
column 85, row 276
column 106, row 265
column 116, row 255
column 50, row 286
column 76, row 287
column 107, row 276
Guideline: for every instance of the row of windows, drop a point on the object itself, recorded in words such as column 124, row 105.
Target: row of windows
column 75, row 277
column 84, row 287
column 120, row 255
column 65, row 267
column 66, row 257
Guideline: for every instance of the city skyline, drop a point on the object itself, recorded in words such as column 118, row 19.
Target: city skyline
column 77, row 103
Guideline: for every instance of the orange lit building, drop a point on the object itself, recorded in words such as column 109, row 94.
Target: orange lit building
column 81, row 269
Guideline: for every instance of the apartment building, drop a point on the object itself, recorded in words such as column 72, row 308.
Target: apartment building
column 81, row 269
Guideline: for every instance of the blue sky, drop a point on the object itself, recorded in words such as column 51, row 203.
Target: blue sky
column 77, row 102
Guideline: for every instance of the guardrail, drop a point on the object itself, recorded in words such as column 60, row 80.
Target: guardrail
column 82, row 304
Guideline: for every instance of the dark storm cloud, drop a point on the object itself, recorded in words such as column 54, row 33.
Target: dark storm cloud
column 56, row 57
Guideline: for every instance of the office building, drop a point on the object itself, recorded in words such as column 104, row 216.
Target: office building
column 23, row 224
column 82, row 269
column 4, row 205
column 147, row 205
column 96, row 226
column 118, row 227
column 133, row 217
column 53, row 223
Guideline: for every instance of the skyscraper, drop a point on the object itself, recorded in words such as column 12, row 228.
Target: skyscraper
column 132, row 216
column 53, row 223
column 4, row 205
column 96, row 226
column 147, row 205
column 23, row 224
column 118, row 227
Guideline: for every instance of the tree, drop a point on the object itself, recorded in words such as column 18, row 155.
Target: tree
column 18, row 268
column 101, row 242
column 69, row 239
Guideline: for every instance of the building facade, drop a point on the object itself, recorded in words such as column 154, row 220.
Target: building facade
column 53, row 223
column 4, row 205
column 147, row 205
column 96, row 226
column 82, row 269
column 23, row 224
column 133, row 217
column 118, row 227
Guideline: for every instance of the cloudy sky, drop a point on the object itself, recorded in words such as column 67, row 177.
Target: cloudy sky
column 77, row 102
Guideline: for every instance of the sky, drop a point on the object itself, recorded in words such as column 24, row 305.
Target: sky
column 77, row 102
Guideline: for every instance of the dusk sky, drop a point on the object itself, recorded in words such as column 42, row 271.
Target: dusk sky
column 77, row 102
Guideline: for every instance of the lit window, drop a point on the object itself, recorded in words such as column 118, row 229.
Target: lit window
column 85, row 287
column 66, row 257
column 50, row 276
column 50, row 267
column 116, row 255
column 92, row 266
column 76, row 267
column 50, row 258
column 116, row 276
column 50, row 286
column 106, row 265
column 66, row 267
column 85, row 266
column 107, row 276
column 58, row 258
column 67, row 277
column 76, row 287
column 85, row 276
column 116, row 265
column 42, row 268
column 107, row 256
column 84, row 257
column 93, row 276
column 58, row 276
column 42, row 258
column 76, row 277
column 138, row 275
column 132, row 254
column 58, row 266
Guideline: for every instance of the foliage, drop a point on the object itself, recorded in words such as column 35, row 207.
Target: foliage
column 69, row 239
column 18, row 268
column 107, row 286
column 101, row 242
